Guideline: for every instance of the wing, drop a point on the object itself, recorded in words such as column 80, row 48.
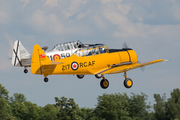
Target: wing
column 127, row 67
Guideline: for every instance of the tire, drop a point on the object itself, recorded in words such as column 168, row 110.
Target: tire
column 25, row 71
column 46, row 79
column 98, row 76
column 104, row 84
column 80, row 76
column 128, row 83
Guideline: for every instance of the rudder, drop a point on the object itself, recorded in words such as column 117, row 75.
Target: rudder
column 20, row 56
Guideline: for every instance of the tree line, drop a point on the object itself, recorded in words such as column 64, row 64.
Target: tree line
column 109, row 107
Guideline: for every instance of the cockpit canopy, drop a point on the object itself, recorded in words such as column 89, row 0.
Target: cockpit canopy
column 89, row 50
column 68, row 45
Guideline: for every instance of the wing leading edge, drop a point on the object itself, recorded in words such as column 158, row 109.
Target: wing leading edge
column 124, row 68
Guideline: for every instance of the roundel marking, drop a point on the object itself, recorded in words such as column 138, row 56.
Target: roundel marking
column 56, row 57
column 74, row 65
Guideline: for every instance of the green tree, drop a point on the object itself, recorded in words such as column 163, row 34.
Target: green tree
column 25, row 110
column 17, row 97
column 112, row 107
column 34, row 112
column 173, row 105
column 3, row 92
column 50, row 112
column 68, row 109
column 19, row 109
column 137, row 107
column 5, row 108
column 87, row 114
column 159, row 107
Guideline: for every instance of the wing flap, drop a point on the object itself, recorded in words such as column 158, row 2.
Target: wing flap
column 124, row 68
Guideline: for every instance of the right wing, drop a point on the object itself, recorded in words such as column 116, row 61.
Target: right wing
column 123, row 68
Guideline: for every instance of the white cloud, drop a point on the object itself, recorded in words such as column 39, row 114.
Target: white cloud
column 118, row 14
column 6, row 52
column 52, row 3
column 25, row 2
column 4, row 17
column 125, row 27
column 99, row 22
column 51, row 24
column 175, row 10
column 74, row 8
column 111, row 1
column 10, row 41
column 82, row 14
column 47, row 22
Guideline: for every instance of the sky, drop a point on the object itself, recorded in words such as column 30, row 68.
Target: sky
column 151, row 28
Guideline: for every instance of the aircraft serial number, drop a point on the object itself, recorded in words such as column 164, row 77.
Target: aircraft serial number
column 81, row 65
column 65, row 67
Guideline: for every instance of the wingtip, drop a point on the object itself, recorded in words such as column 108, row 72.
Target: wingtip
column 167, row 60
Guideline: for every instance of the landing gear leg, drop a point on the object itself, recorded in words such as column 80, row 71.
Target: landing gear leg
column 125, row 75
column 128, row 83
column 46, row 79
column 25, row 70
column 104, row 83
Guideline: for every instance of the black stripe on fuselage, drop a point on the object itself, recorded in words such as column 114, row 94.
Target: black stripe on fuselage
column 118, row 50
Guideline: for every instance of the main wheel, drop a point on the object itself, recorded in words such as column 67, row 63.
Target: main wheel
column 80, row 76
column 25, row 71
column 128, row 83
column 104, row 84
column 46, row 79
column 98, row 76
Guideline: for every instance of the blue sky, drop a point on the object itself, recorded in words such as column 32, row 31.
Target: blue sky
column 151, row 28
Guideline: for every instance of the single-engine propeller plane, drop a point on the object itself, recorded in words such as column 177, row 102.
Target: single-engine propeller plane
column 89, row 59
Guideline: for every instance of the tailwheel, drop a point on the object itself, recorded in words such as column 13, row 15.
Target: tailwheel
column 128, row 83
column 25, row 71
column 80, row 76
column 46, row 79
column 98, row 76
column 104, row 83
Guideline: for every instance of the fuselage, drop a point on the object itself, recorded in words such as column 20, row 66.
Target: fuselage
column 86, row 63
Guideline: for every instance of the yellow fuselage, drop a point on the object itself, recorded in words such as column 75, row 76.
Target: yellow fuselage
column 82, row 65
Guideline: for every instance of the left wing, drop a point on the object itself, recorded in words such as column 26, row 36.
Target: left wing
column 127, row 67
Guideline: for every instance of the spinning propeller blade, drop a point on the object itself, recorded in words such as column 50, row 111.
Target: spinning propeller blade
column 126, row 46
column 142, row 68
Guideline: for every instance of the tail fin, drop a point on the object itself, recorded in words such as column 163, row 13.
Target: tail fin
column 20, row 56
column 39, row 58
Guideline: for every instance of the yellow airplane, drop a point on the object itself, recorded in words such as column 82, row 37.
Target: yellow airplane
column 95, row 60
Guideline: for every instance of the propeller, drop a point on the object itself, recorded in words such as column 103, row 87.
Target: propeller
column 142, row 68
column 125, row 46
